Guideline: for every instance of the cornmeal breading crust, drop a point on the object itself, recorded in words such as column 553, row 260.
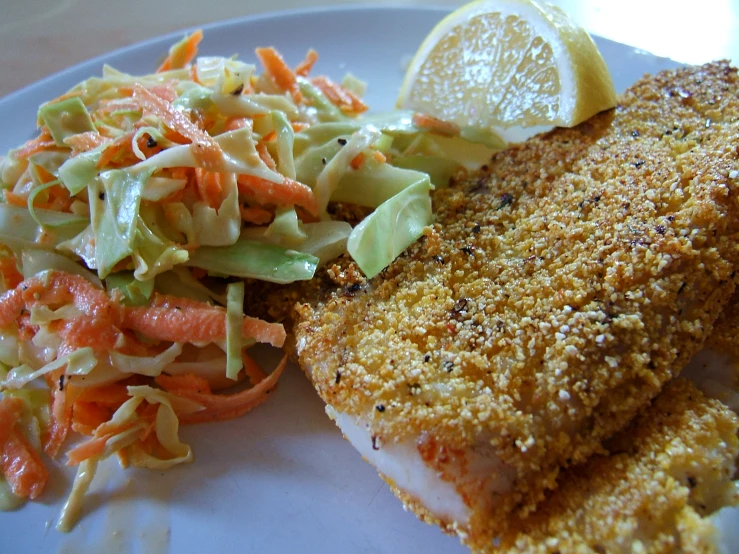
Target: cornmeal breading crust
column 556, row 294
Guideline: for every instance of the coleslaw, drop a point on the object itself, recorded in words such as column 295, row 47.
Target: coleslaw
column 128, row 226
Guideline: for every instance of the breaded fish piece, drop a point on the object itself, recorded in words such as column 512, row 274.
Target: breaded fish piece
column 658, row 490
column 556, row 294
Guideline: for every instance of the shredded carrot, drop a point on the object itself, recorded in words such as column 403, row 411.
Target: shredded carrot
column 304, row 67
column 165, row 91
column 194, row 74
column 276, row 68
column 9, row 270
column 287, row 193
column 379, row 156
column 197, row 325
column 22, row 466
column 187, row 382
column 266, row 156
column 116, row 148
column 83, row 142
column 299, row 126
column 357, row 161
column 87, row 416
column 206, row 150
column 109, row 396
column 56, row 288
column 256, row 215
column 234, row 123
column 252, row 369
column 272, row 135
column 342, row 97
column 210, row 187
column 33, row 146
column 425, row 121
column 179, row 59
column 61, row 414
column 15, row 199
column 220, row 407
column 96, row 445
column 11, row 409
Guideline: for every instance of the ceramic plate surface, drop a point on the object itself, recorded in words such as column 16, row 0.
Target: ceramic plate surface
column 281, row 479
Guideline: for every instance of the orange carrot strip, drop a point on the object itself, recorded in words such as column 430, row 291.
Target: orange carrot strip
column 11, row 409
column 357, row 161
column 119, row 145
column 9, row 270
column 187, row 382
column 110, row 396
column 275, row 66
column 88, row 416
column 272, row 135
column 287, row 193
column 92, row 447
column 342, row 97
column 61, row 415
column 209, row 186
column 56, row 288
column 196, row 325
column 256, row 215
column 219, row 407
column 206, row 150
column 379, row 156
column 266, row 156
column 252, row 369
column 234, row 123
column 304, row 67
column 425, row 121
column 177, row 60
column 15, row 199
column 39, row 144
column 83, row 142
column 299, row 126
column 22, row 466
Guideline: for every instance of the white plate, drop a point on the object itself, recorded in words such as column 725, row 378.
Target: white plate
column 281, row 479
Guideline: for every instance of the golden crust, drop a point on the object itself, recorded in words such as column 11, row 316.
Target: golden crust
column 650, row 492
column 557, row 292
column 668, row 470
column 725, row 335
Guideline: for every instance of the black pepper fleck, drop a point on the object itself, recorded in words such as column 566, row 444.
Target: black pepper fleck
column 341, row 141
column 692, row 482
column 380, row 408
column 448, row 366
column 459, row 306
column 151, row 143
column 506, row 199
column 101, row 196
column 476, row 229
column 338, row 377
column 427, row 357
column 61, row 382
column 438, row 259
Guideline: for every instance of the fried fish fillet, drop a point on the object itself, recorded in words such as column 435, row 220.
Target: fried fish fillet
column 665, row 486
column 556, row 294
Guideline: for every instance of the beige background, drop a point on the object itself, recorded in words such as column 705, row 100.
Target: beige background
column 40, row 37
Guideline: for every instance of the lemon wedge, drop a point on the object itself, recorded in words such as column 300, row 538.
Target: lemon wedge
column 508, row 63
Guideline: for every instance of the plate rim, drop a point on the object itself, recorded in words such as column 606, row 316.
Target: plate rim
column 206, row 28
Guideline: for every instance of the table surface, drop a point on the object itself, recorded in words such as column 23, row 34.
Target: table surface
column 38, row 38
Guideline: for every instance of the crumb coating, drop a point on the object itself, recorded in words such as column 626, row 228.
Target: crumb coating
column 557, row 292
column 664, row 474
